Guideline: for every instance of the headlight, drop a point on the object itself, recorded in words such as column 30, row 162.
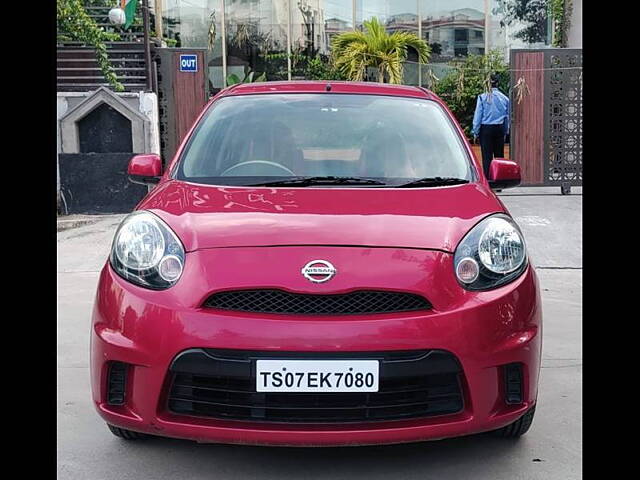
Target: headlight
column 491, row 254
column 146, row 252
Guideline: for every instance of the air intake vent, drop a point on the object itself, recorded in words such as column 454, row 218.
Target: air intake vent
column 221, row 384
column 513, row 383
column 116, row 381
column 352, row 303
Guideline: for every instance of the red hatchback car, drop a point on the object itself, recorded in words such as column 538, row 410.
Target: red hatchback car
column 320, row 264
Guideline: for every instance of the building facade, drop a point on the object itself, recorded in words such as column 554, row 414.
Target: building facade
column 269, row 35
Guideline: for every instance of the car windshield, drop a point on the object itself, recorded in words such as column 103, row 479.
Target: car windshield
column 254, row 139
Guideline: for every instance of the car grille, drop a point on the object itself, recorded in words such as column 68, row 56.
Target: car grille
column 279, row 301
column 221, row 384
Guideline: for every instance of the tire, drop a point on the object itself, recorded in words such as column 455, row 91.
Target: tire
column 126, row 434
column 517, row 428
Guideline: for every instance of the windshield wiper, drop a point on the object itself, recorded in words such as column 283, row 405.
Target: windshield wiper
column 433, row 182
column 322, row 180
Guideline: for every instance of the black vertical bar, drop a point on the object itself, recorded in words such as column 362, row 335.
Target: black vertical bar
column 147, row 47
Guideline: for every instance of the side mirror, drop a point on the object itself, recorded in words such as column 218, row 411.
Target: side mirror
column 145, row 169
column 504, row 173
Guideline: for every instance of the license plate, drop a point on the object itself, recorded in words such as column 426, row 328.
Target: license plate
column 317, row 376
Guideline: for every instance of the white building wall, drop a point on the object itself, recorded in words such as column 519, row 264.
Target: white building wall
column 574, row 38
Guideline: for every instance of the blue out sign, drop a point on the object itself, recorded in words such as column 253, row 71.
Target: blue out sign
column 188, row 63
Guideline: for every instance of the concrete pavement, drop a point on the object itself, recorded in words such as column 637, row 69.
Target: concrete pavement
column 552, row 449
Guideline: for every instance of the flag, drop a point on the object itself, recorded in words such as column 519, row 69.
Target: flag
column 129, row 7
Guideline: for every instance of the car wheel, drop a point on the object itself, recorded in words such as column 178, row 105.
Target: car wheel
column 126, row 434
column 517, row 428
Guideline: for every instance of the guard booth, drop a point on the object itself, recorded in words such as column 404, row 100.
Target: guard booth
column 546, row 131
column 181, row 80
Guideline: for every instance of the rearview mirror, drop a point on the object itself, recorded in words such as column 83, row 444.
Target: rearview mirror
column 145, row 169
column 504, row 173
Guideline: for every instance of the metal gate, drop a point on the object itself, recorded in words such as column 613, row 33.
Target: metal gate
column 546, row 134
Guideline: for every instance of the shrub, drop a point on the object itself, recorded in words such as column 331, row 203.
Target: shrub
column 320, row 68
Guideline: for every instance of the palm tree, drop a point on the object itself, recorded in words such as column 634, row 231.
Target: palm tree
column 354, row 51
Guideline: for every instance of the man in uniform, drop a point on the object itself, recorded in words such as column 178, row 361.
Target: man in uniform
column 491, row 123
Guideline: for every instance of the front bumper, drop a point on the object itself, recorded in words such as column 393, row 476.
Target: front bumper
column 484, row 330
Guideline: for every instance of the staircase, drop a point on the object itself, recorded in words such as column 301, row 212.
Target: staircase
column 78, row 70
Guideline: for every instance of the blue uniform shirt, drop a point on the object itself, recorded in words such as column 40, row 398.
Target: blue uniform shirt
column 491, row 110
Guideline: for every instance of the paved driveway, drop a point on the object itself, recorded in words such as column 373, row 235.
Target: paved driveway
column 551, row 450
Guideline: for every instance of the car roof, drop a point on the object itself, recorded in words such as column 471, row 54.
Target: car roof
column 326, row 86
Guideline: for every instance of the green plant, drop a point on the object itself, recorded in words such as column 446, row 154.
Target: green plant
column 276, row 65
column 74, row 24
column 232, row 78
column 319, row 68
column 468, row 79
column 560, row 14
column 355, row 51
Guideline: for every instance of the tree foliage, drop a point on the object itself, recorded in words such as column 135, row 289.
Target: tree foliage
column 532, row 14
column 74, row 24
column 468, row 79
column 355, row 51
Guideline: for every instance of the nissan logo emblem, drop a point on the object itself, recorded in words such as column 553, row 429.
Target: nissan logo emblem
column 318, row 271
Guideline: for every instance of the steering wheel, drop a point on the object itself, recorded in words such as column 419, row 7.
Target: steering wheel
column 251, row 171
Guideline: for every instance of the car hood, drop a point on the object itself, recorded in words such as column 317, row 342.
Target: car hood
column 207, row 216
